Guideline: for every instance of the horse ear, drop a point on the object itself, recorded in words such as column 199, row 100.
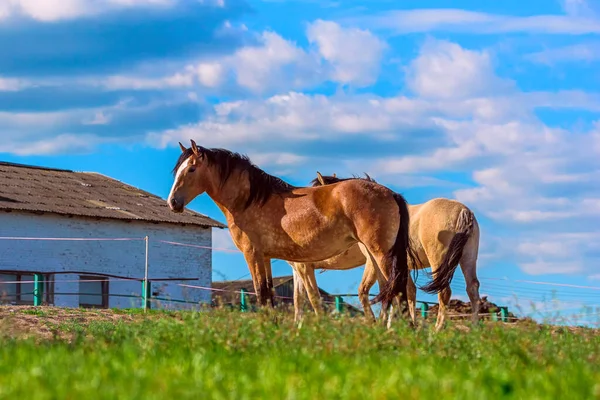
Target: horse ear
column 334, row 175
column 320, row 178
column 195, row 148
column 183, row 149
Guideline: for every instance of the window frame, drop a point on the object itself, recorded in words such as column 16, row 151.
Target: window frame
column 104, row 284
column 48, row 287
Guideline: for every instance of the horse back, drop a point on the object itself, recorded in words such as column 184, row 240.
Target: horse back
column 438, row 220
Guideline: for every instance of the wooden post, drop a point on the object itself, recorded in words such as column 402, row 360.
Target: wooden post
column 38, row 289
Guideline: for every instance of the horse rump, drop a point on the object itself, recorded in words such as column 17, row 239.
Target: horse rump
column 444, row 274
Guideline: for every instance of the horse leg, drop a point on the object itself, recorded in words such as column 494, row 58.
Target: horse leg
column 411, row 294
column 372, row 267
column 411, row 297
column 269, row 273
column 469, row 269
column 380, row 264
column 436, row 256
column 367, row 282
column 443, row 300
column 299, row 296
column 307, row 274
column 256, row 264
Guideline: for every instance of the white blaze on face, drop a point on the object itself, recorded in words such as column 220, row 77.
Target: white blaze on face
column 178, row 176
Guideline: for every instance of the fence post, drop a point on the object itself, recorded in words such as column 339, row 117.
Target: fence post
column 338, row 304
column 243, row 305
column 146, row 290
column 424, row 310
column 38, row 289
column 494, row 315
column 504, row 314
column 146, row 294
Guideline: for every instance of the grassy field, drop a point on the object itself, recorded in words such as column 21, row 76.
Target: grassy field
column 50, row 353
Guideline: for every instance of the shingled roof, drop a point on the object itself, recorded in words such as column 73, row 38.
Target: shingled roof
column 86, row 194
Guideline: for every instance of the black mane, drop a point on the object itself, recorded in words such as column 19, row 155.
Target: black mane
column 262, row 185
column 329, row 179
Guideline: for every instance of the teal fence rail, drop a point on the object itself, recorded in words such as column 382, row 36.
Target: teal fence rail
column 147, row 299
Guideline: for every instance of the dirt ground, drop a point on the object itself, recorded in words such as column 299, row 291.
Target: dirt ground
column 52, row 322
column 55, row 323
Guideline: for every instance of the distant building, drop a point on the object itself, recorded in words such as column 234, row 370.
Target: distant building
column 284, row 292
column 38, row 202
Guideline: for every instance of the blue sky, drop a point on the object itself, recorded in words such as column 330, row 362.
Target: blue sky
column 496, row 105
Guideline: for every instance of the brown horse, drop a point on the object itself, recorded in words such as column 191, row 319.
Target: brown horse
column 444, row 232
column 269, row 218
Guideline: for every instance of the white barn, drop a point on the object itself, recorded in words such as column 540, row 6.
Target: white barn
column 40, row 205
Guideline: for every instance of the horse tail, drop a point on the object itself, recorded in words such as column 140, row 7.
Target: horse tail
column 399, row 254
column 445, row 272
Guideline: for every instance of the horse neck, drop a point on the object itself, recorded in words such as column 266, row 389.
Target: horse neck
column 413, row 208
column 229, row 196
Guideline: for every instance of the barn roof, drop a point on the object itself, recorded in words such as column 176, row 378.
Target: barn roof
column 85, row 194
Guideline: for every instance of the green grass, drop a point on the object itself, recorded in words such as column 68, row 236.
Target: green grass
column 230, row 355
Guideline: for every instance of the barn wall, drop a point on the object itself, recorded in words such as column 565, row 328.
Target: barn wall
column 125, row 259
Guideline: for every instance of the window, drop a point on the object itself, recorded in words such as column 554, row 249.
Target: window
column 12, row 291
column 8, row 291
column 93, row 291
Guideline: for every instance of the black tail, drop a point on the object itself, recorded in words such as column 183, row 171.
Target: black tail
column 398, row 255
column 445, row 272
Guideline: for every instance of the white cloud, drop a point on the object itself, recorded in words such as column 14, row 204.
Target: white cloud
column 457, row 20
column 354, row 54
column 44, row 133
column 446, row 70
column 272, row 65
column 540, row 267
column 178, row 80
column 100, row 118
column 293, row 116
column 276, row 63
column 55, row 10
column 12, row 84
column 568, row 54
column 62, row 143
column 210, row 74
column 69, row 130
column 277, row 159
column 20, row 120
column 580, row 8
column 550, row 248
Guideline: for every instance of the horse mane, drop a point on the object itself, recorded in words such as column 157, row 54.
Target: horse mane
column 262, row 185
column 329, row 179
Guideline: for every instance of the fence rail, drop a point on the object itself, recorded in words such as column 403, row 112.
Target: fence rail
column 148, row 300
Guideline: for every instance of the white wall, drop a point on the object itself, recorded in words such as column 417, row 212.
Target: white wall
column 124, row 259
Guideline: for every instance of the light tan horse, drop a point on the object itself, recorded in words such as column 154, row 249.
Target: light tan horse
column 269, row 218
column 444, row 232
